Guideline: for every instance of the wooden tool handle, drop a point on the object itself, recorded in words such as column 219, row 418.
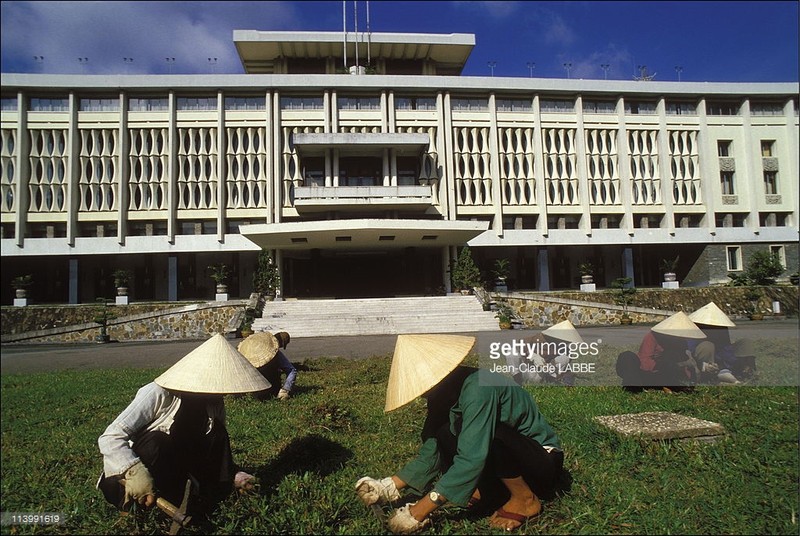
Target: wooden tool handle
column 172, row 511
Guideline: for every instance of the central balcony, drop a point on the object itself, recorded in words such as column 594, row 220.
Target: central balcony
column 311, row 198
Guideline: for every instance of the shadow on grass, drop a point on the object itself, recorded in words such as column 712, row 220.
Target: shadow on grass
column 308, row 454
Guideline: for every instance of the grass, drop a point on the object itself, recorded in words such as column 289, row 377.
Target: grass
column 309, row 451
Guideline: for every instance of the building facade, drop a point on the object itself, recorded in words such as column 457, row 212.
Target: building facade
column 366, row 181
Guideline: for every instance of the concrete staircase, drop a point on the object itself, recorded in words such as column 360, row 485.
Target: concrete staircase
column 376, row 316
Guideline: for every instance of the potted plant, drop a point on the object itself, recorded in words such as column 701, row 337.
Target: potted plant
column 623, row 292
column 501, row 271
column 246, row 329
column 504, row 316
column 668, row 267
column 794, row 279
column 21, row 284
column 587, row 273
column 266, row 279
column 121, row 279
column 465, row 274
column 102, row 317
column 219, row 273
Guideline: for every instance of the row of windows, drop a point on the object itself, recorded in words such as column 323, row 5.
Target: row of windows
column 734, row 256
column 139, row 104
column 727, row 182
column 725, row 148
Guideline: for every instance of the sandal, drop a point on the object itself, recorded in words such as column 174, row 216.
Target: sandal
column 519, row 518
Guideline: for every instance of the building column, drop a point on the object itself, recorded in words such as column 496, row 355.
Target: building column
column 278, row 258
column 543, row 273
column 627, row 264
column 73, row 282
column 172, row 278
column 446, row 269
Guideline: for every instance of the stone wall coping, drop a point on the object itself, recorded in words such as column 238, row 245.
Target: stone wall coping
column 17, row 337
column 565, row 301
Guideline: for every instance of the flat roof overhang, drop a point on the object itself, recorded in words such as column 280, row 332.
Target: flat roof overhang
column 362, row 233
column 256, row 47
column 358, row 143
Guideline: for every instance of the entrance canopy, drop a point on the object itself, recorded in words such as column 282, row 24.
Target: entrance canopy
column 364, row 233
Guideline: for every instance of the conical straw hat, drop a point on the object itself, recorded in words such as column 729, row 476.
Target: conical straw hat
column 711, row 315
column 563, row 331
column 420, row 362
column 259, row 348
column 213, row 367
column 679, row 325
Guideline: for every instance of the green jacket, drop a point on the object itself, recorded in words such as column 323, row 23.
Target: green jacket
column 486, row 399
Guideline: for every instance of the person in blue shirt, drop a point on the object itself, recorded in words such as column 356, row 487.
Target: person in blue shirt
column 265, row 352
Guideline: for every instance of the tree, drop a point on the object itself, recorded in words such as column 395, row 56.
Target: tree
column 623, row 293
column 266, row 277
column 465, row 273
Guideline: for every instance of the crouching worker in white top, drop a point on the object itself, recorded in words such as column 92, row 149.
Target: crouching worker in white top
column 175, row 427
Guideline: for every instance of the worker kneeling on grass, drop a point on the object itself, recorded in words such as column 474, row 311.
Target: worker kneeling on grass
column 175, row 427
column 483, row 433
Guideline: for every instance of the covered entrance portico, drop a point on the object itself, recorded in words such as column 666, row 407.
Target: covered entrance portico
column 363, row 257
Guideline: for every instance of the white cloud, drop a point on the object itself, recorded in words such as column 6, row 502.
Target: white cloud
column 107, row 32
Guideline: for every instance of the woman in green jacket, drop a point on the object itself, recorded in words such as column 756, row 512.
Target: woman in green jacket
column 483, row 434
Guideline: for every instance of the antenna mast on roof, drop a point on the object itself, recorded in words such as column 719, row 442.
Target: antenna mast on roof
column 369, row 38
column 355, row 16
column 344, row 31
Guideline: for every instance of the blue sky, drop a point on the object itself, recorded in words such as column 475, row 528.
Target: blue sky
column 720, row 41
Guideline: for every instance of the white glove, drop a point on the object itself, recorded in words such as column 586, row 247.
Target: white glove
column 402, row 522
column 372, row 491
column 283, row 394
column 138, row 483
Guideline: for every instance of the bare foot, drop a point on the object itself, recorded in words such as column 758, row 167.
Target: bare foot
column 515, row 512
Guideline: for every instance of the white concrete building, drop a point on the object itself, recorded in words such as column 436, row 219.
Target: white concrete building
column 365, row 184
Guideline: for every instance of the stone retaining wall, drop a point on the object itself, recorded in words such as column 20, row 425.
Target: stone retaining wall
column 196, row 321
column 648, row 305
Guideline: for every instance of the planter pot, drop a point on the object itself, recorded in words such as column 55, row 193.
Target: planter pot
column 756, row 316
column 794, row 280
column 222, row 289
column 505, row 325
column 670, row 276
column 122, row 291
column 21, row 293
column 103, row 339
column 625, row 321
column 246, row 333
column 464, row 292
column 587, row 279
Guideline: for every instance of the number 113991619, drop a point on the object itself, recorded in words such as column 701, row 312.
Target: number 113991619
column 32, row 518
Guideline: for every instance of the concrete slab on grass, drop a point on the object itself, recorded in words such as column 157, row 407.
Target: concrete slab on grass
column 662, row 425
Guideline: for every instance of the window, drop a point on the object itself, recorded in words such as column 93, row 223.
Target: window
column 681, row 108
column 470, row 105
column 245, row 103
column 723, row 108
column 9, row 104
column 556, row 106
column 148, row 104
column 359, row 103
column 771, row 182
column 724, row 148
column 197, row 103
column 767, row 148
column 301, row 103
column 313, row 171
column 640, row 108
column 766, row 108
column 49, row 105
column 726, row 182
column 99, row 105
column 599, row 107
column 415, row 103
column 407, row 170
column 780, row 252
column 514, row 105
column 734, row 256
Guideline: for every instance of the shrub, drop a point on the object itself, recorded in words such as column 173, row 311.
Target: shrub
column 266, row 278
column 465, row 273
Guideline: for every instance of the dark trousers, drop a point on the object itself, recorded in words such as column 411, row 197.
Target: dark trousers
column 511, row 455
column 210, row 462
column 633, row 377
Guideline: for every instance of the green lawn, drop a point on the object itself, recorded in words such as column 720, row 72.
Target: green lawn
column 309, row 451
